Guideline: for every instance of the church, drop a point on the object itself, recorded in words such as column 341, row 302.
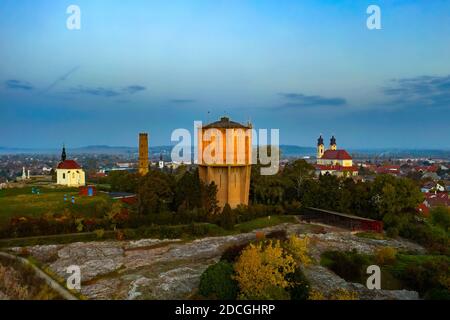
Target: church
column 334, row 161
column 69, row 172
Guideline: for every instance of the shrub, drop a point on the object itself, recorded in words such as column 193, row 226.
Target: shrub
column 440, row 216
column 343, row 294
column 299, row 289
column 298, row 248
column 385, row 255
column 260, row 268
column 217, row 282
column 349, row 265
column 227, row 218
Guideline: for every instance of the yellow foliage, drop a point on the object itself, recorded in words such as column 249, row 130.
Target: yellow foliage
column 262, row 267
column 298, row 247
column 445, row 281
column 315, row 295
column 338, row 294
column 342, row 294
column 386, row 255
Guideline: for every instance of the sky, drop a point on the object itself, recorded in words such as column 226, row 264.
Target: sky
column 305, row 67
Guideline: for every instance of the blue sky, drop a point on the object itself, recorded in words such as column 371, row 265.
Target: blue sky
column 305, row 67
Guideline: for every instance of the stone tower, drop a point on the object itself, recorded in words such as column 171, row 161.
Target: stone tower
column 320, row 147
column 224, row 157
column 143, row 154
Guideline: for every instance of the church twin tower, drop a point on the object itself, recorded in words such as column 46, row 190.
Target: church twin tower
column 321, row 146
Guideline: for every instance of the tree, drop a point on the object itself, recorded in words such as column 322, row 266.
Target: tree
column 155, row 192
column 227, row 218
column 261, row 271
column 394, row 195
column 440, row 217
column 123, row 181
column 208, row 198
column 188, row 191
column 297, row 172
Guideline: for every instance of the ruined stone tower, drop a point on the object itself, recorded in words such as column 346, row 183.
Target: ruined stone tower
column 143, row 154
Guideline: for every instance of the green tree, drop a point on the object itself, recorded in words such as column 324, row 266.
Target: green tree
column 155, row 192
column 227, row 218
column 440, row 217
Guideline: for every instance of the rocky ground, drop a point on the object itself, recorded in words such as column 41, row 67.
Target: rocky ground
column 171, row 269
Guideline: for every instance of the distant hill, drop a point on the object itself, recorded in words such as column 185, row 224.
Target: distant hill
column 287, row 151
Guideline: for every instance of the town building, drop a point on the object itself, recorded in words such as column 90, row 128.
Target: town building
column 334, row 161
column 224, row 157
column 69, row 172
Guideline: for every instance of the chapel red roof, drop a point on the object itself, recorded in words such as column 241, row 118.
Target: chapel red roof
column 68, row 164
column 336, row 155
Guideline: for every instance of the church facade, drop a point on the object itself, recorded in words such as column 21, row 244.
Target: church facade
column 69, row 172
column 334, row 161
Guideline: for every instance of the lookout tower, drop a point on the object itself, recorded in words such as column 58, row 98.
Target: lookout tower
column 224, row 157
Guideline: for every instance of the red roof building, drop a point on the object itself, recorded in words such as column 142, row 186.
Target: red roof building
column 68, row 164
column 336, row 155
column 436, row 199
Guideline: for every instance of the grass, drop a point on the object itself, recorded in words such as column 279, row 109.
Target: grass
column 264, row 222
column 21, row 202
column 372, row 235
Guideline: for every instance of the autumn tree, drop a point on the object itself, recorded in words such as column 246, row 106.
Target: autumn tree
column 261, row 271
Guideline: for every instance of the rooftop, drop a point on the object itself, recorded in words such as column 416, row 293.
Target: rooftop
column 336, row 155
column 225, row 122
column 68, row 164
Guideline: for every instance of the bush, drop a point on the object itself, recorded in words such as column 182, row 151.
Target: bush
column 426, row 274
column 262, row 267
column 227, row 218
column 299, row 289
column 217, row 282
column 349, row 265
column 440, row 217
column 385, row 255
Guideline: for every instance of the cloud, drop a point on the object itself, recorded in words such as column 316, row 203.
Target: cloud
column 422, row 90
column 182, row 101
column 133, row 89
column 107, row 92
column 17, row 84
column 300, row 100
column 98, row 91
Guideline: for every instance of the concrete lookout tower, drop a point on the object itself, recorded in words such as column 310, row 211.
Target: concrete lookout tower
column 224, row 157
column 143, row 154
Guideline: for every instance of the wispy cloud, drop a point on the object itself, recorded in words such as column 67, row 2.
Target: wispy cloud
column 107, row 92
column 18, row 84
column 182, row 101
column 133, row 89
column 294, row 100
column 422, row 90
